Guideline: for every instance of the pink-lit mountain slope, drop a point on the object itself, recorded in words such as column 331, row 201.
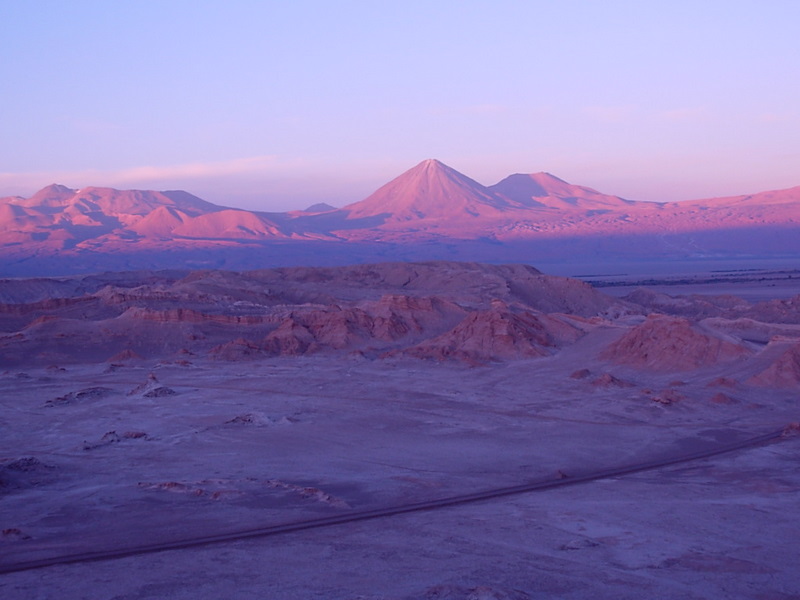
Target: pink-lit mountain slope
column 543, row 190
column 429, row 212
column 110, row 201
column 778, row 207
column 432, row 200
column 58, row 217
column 431, row 191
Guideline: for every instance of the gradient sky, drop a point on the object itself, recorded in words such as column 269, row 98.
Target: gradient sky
column 277, row 105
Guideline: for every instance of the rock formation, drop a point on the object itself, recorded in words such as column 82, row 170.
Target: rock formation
column 664, row 343
column 783, row 372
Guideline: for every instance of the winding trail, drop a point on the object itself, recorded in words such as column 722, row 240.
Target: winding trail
column 8, row 566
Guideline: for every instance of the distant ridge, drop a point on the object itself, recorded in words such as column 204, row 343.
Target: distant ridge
column 319, row 207
column 58, row 219
column 51, row 195
column 113, row 202
column 543, row 190
column 431, row 211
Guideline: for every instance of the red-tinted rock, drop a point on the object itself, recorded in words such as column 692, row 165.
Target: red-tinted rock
column 783, row 372
column 664, row 343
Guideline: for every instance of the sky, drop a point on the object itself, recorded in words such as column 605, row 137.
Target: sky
column 275, row 105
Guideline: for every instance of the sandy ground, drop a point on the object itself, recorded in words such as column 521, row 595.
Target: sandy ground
column 283, row 439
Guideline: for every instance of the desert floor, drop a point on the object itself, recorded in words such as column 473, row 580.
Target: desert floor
column 99, row 465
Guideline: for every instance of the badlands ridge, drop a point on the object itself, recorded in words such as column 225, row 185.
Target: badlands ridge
column 443, row 311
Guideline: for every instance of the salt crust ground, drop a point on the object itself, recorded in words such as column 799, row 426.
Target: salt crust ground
column 277, row 440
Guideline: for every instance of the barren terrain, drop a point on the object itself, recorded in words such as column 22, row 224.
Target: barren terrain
column 142, row 409
column 429, row 212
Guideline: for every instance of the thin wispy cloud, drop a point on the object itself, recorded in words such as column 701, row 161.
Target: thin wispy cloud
column 200, row 170
column 261, row 182
column 149, row 174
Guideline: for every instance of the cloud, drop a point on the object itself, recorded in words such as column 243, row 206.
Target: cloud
column 149, row 174
column 226, row 168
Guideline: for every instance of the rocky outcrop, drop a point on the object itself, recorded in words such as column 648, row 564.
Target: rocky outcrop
column 238, row 349
column 609, row 380
column 395, row 316
column 373, row 323
column 187, row 315
column 664, row 343
column 783, row 372
column 152, row 389
column 497, row 334
column 84, row 395
column 777, row 311
column 291, row 338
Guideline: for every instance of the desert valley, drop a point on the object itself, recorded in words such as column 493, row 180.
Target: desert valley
column 405, row 398
column 153, row 410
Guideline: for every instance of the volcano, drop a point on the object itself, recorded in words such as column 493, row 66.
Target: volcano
column 543, row 190
column 431, row 191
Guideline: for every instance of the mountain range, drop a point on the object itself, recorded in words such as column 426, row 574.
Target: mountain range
column 429, row 212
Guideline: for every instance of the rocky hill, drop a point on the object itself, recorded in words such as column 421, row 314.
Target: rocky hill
column 467, row 313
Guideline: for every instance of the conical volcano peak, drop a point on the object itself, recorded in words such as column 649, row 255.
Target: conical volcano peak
column 433, row 166
column 430, row 190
